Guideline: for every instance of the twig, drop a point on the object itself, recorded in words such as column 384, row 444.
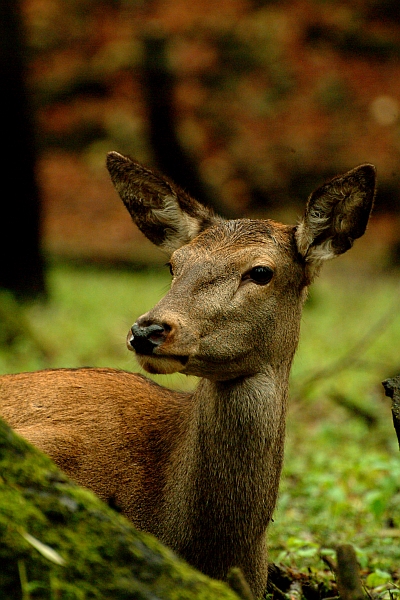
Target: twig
column 367, row 416
column 24, row 580
column 273, row 589
column 330, row 563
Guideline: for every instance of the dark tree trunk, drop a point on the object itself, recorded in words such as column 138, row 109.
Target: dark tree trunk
column 170, row 157
column 392, row 390
column 21, row 266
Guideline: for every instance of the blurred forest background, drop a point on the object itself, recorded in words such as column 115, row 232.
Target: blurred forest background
column 248, row 104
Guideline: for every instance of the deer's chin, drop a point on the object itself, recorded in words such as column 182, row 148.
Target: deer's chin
column 162, row 365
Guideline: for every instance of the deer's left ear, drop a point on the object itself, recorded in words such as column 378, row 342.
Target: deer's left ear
column 336, row 214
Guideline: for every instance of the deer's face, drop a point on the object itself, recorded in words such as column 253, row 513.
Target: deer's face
column 233, row 307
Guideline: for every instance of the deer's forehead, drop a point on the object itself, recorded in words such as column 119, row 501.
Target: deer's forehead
column 239, row 241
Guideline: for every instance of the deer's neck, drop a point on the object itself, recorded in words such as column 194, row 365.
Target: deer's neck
column 224, row 475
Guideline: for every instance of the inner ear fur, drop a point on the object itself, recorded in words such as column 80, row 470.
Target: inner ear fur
column 337, row 213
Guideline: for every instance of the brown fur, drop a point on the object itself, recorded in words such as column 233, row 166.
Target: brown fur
column 201, row 471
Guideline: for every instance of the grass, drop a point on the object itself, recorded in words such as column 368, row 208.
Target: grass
column 341, row 480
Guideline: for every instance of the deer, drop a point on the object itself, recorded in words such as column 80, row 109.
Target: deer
column 200, row 470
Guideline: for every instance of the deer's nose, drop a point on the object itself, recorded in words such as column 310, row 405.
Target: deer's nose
column 144, row 339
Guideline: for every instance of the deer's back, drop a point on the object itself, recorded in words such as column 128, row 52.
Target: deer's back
column 109, row 430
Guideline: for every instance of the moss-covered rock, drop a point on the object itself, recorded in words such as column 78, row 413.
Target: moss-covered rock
column 59, row 541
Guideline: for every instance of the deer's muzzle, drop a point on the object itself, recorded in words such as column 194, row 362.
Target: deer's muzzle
column 145, row 339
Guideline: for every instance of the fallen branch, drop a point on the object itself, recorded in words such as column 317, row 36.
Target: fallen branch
column 370, row 419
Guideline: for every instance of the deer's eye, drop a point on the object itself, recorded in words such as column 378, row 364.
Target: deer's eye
column 168, row 264
column 260, row 275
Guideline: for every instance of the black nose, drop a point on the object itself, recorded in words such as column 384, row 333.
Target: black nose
column 145, row 339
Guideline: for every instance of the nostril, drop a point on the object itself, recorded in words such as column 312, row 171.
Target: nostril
column 156, row 334
column 145, row 339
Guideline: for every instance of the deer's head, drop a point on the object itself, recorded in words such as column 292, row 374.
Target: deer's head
column 238, row 286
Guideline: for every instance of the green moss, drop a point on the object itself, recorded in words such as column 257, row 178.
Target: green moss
column 101, row 554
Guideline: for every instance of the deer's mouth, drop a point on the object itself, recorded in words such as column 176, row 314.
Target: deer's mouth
column 162, row 364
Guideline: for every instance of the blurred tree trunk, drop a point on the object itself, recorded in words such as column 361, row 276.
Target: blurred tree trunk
column 170, row 157
column 21, row 267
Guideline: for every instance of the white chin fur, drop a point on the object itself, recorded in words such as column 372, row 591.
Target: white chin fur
column 160, row 365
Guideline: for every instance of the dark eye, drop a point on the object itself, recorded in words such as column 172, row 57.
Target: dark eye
column 259, row 275
column 170, row 268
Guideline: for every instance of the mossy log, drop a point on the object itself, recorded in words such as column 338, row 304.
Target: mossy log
column 59, row 541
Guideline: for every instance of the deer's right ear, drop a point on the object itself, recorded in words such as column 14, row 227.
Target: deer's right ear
column 166, row 215
column 337, row 213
